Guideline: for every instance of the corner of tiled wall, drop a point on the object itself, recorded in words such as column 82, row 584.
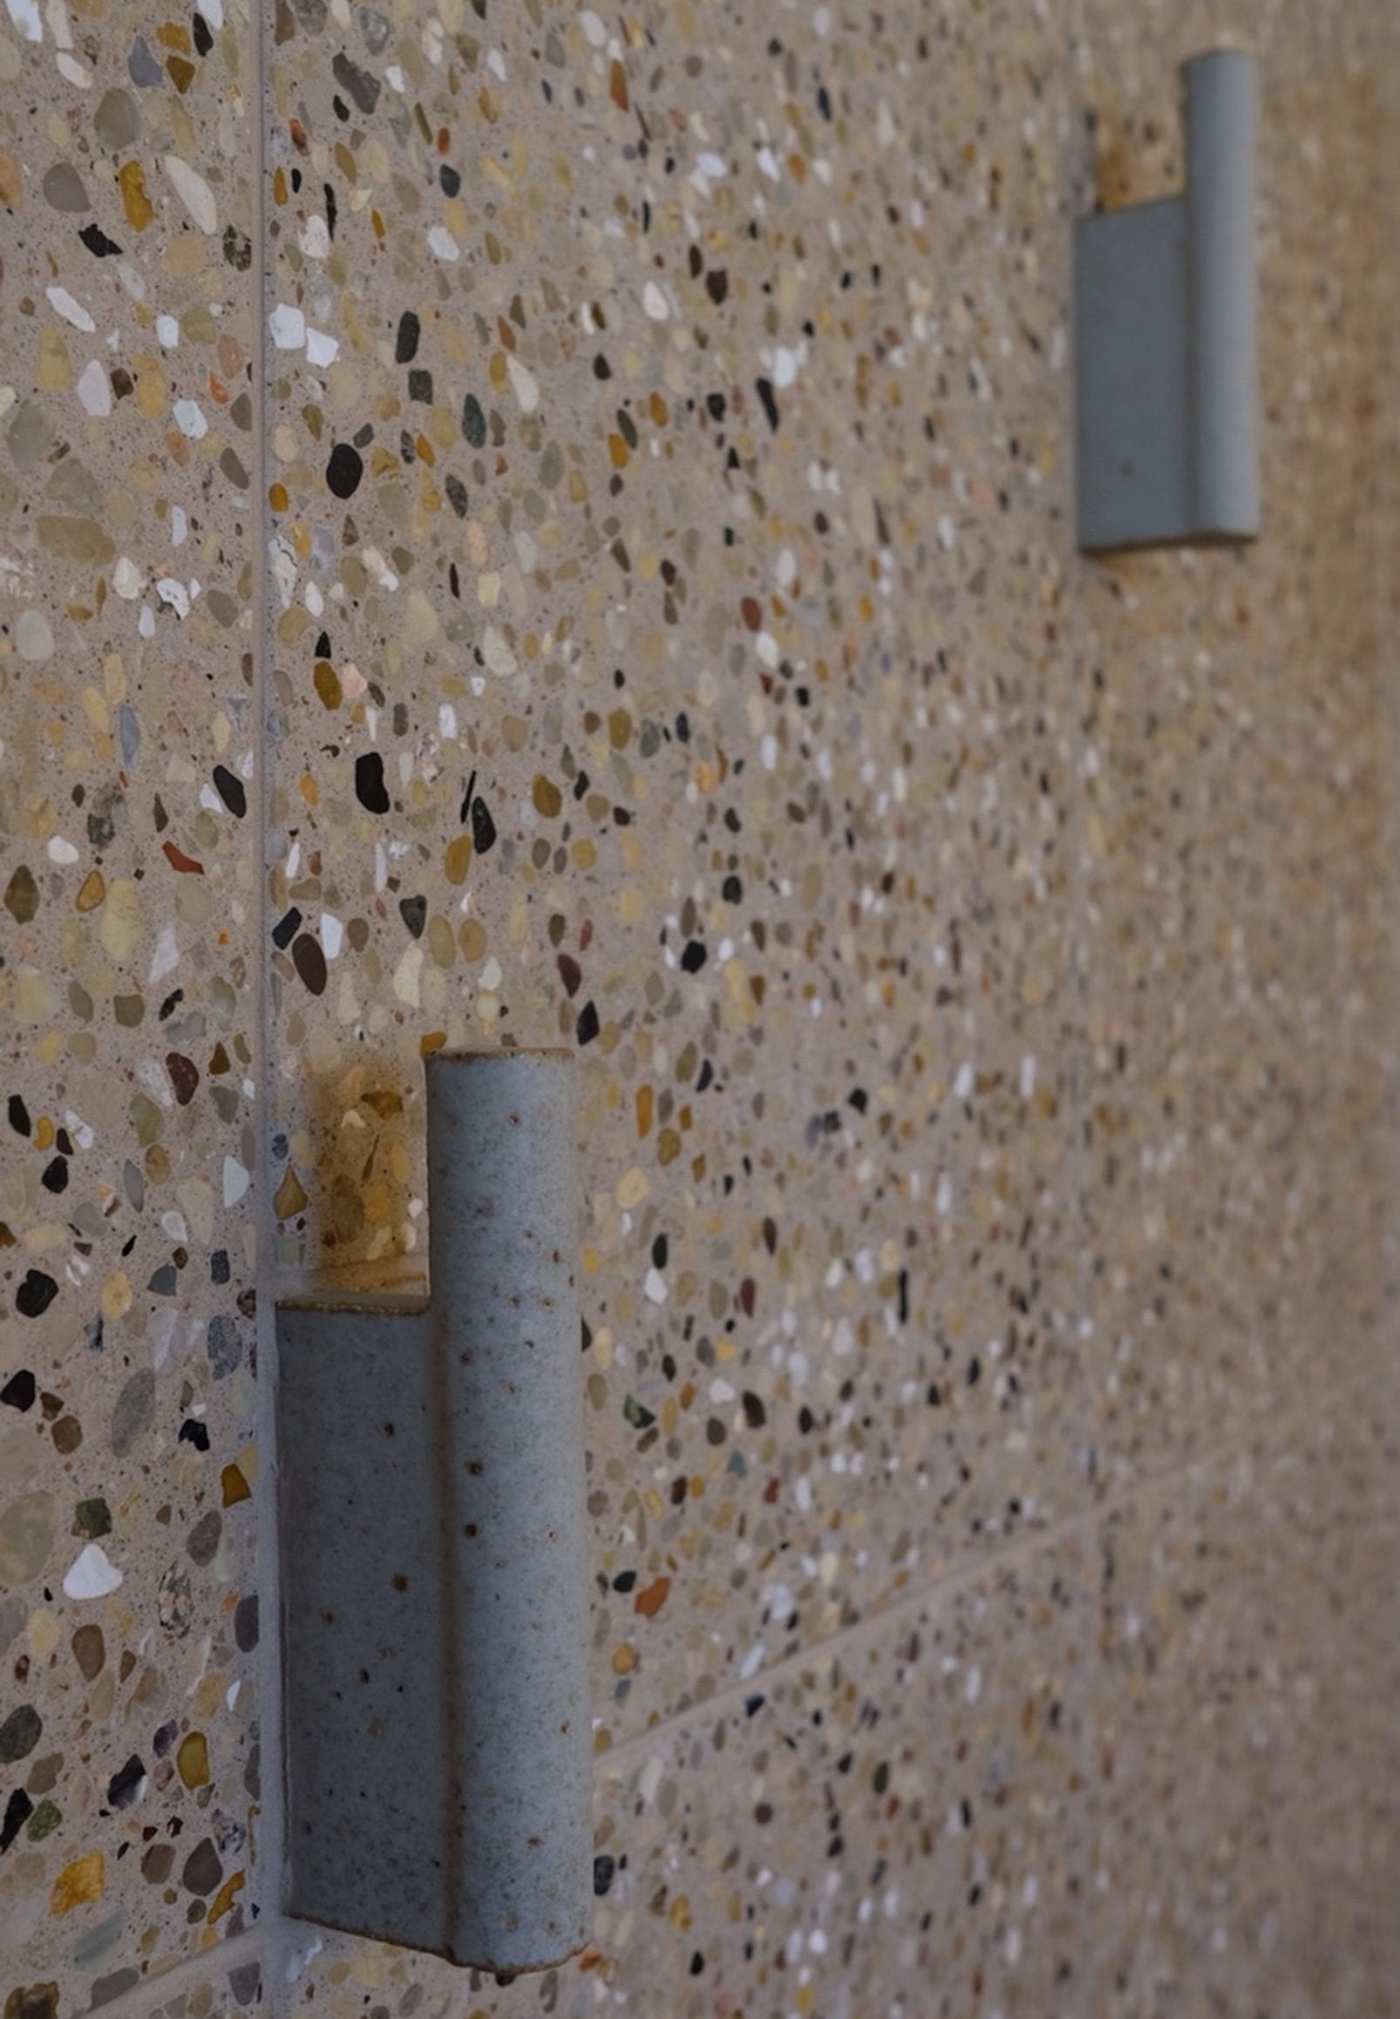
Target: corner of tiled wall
column 523, row 524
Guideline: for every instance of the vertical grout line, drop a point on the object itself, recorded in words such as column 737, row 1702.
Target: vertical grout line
column 1076, row 649
column 1386, row 518
column 1072, row 151
column 272, row 1838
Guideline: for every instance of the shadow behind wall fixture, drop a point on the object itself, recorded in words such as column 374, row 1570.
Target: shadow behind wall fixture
column 434, row 1569
column 1166, row 396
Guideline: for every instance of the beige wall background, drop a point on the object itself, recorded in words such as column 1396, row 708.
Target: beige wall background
column 524, row 523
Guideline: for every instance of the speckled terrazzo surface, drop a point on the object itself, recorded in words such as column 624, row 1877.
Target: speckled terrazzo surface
column 128, row 1612
column 530, row 525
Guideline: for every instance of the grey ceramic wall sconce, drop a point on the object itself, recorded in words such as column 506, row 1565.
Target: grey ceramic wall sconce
column 1166, row 400
column 433, row 1551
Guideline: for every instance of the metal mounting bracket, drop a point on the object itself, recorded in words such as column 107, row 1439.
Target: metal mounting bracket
column 433, row 1551
column 1166, row 400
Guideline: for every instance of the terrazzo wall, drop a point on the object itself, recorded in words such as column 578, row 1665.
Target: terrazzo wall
column 526, row 524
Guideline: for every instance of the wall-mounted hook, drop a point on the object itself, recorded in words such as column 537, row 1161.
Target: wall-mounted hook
column 1164, row 307
column 434, row 1566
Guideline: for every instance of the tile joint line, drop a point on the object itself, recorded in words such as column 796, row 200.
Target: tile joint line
column 971, row 1569
column 269, row 1862
column 201, row 1968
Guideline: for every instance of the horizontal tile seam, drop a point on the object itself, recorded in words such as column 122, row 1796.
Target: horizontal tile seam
column 972, row 1569
column 202, row 1968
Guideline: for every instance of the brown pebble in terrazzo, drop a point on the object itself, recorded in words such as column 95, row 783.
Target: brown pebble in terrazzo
column 233, row 1486
column 44, row 1774
column 64, row 189
column 117, row 120
column 79, row 1883
column 184, row 1077
column 202, row 1869
column 203, row 1539
column 650, row 1601
column 33, row 2001
column 310, row 963
column 137, row 207
column 21, row 895
column 291, row 1198
column 192, row 1760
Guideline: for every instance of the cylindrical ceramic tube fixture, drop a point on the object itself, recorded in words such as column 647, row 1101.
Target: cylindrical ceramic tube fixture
column 434, row 1558
column 1166, row 396
column 1222, row 117
column 504, row 1335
